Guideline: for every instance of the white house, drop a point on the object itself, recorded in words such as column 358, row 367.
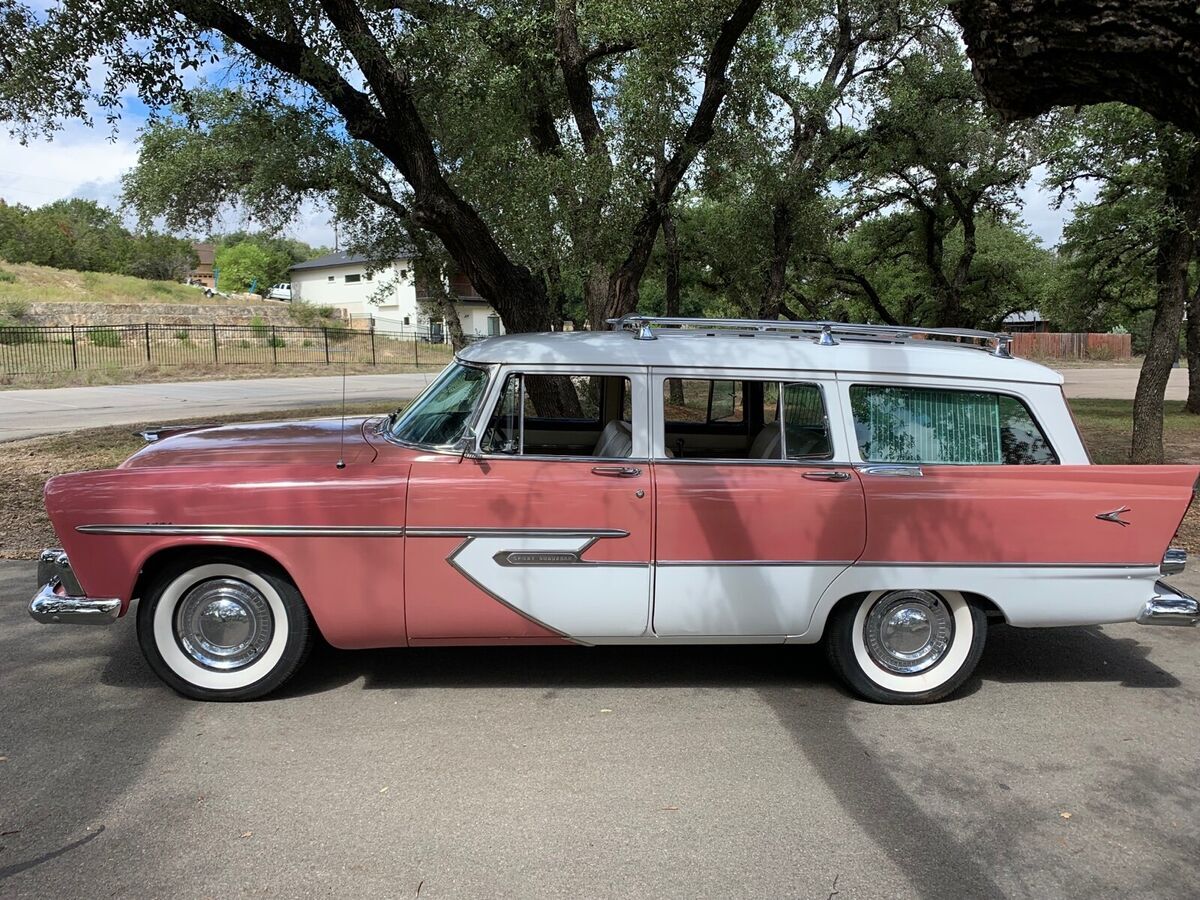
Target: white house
column 392, row 293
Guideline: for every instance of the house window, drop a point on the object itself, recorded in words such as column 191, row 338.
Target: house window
column 931, row 425
column 493, row 325
column 406, row 322
column 353, row 279
column 331, row 279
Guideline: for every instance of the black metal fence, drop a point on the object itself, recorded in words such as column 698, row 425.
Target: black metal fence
column 63, row 348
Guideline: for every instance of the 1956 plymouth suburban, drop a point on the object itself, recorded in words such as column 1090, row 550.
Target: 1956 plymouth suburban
column 886, row 491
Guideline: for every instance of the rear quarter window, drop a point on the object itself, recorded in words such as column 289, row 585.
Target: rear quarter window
column 933, row 425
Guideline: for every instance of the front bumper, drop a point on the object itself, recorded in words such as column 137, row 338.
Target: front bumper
column 71, row 605
column 1169, row 606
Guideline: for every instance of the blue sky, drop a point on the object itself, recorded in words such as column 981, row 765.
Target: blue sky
column 84, row 162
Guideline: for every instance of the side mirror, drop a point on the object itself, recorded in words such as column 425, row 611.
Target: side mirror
column 470, row 444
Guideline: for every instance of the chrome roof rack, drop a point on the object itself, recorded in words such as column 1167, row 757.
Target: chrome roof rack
column 822, row 332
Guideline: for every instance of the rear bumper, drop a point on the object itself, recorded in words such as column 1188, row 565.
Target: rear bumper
column 1169, row 606
column 60, row 599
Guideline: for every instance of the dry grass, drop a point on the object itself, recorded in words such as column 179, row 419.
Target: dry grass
column 26, row 465
column 40, row 284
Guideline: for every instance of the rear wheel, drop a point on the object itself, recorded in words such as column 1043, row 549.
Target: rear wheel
column 906, row 646
column 222, row 630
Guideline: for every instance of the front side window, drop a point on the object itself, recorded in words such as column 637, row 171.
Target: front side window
column 562, row 415
column 932, row 425
column 440, row 415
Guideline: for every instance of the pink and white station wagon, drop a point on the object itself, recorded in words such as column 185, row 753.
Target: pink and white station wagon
column 885, row 490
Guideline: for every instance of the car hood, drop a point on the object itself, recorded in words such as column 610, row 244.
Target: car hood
column 258, row 443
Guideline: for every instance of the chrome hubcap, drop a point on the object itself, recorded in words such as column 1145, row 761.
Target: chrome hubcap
column 908, row 631
column 224, row 624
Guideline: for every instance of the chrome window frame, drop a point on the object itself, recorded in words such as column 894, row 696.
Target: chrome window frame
column 825, row 381
column 470, row 426
column 638, row 377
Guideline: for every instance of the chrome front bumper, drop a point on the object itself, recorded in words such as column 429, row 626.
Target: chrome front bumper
column 1169, row 606
column 72, row 605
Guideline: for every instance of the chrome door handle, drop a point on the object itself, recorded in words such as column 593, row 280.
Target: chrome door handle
column 617, row 471
column 827, row 476
column 893, row 471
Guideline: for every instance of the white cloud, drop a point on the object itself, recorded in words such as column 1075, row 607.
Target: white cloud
column 79, row 162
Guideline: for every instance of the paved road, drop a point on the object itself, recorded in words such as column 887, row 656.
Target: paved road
column 28, row 413
column 1118, row 383
column 603, row 772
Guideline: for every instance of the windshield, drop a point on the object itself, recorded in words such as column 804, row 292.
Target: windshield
column 440, row 415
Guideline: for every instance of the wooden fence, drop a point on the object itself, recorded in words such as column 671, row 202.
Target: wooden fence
column 1078, row 345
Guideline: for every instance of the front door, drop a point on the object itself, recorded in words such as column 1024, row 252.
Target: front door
column 548, row 534
column 758, row 507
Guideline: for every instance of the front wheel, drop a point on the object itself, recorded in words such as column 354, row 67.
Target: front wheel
column 223, row 631
column 906, row 646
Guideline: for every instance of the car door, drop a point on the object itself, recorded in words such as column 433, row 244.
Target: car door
column 546, row 533
column 749, row 536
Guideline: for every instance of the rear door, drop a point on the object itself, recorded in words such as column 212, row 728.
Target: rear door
column 750, row 531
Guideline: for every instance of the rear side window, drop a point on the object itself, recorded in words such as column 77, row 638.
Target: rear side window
column 930, row 425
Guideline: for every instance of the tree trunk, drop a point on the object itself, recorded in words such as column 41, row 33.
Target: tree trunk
column 1175, row 246
column 1193, row 349
column 672, row 298
column 1032, row 55
column 781, row 251
column 446, row 307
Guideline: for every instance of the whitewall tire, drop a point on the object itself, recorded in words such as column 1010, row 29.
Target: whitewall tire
column 906, row 646
column 220, row 629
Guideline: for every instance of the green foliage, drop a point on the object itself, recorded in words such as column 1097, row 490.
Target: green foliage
column 7, row 277
column 310, row 315
column 240, row 265
column 105, row 337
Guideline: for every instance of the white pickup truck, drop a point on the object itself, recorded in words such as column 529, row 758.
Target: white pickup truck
column 281, row 291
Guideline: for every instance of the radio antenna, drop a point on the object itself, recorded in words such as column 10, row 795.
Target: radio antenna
column 341, row 463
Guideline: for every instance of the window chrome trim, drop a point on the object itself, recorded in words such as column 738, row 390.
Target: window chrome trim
column 490, row 531
column 455, row 448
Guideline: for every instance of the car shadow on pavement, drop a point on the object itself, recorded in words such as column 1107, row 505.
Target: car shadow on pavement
column 1012, row 655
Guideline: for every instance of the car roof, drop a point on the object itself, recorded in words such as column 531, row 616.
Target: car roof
column 731, row 350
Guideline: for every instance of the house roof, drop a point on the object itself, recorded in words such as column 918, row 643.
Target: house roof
column 340, row 258
column 755, row 352
column 1028, row 317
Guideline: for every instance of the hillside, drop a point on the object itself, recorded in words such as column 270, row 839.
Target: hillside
column 22, row 283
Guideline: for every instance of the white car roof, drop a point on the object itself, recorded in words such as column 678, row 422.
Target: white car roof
column 730, row 350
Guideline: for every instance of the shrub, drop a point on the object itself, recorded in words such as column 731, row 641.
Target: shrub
column 7, row 277
column 105, row 337
column 276, row 341
column 259, row 327
column 182, row 335
column 311, row 316
column 244, row 344
column 14, row 309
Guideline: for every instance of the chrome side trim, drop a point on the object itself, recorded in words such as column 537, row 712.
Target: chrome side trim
column 1114, row 516
column 1169, row 607
column 840, row 563
column 452, row 559
column 487, row 531
column 255, row 530
column 51, row 608
column 884, row 564
column 519, row 559
column 1174, row 561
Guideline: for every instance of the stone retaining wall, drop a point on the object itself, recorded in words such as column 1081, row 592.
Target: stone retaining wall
column 156, row 313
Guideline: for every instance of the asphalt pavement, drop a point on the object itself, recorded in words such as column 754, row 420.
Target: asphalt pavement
column 1066, row 768
column 29, row 413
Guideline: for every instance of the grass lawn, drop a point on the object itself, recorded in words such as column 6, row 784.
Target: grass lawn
column 41, row 284
column 26, row 465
